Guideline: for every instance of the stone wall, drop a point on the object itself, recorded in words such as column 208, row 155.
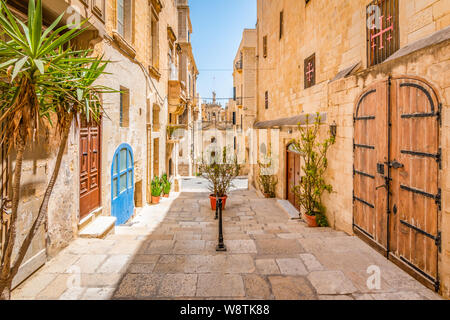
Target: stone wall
column 336, row 32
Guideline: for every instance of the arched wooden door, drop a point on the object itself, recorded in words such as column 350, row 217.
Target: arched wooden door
column 122, row 184
column 416, row 157
column 396, row 169
column 370, row 155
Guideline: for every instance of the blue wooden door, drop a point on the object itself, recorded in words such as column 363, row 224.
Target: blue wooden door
column 122, row 184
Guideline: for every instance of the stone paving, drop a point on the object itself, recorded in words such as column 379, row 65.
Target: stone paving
column 168, row 252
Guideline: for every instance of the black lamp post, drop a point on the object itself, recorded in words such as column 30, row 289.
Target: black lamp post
column 220, row 246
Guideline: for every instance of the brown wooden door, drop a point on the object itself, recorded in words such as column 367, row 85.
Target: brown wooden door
column 293, row 176
column 370, row 155
column 290, row 177
column 90, row 173
column 415, row 189
column 396, row 170
column 156, row 157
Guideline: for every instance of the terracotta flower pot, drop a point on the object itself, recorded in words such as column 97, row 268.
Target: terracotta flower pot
column 311, row 221
column 166, row 195
column 212, row 199
column 155, row 200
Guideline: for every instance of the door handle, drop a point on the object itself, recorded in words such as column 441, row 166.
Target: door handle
column 395, row 210
column 395, row 164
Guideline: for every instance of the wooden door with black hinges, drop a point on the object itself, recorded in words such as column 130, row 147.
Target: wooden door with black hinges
column 90, row 172
column 415, row 161
column 369, row 173
column 397, row 158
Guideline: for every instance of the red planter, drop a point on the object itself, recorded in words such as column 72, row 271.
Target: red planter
column 212, row 198
column 311, row 221
column 155, row 200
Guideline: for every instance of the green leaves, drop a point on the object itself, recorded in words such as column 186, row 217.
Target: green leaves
column 220, row 175
column 18, row 67
column 312, row 186
column 45, row 75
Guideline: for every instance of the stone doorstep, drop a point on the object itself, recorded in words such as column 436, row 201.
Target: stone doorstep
column 289, row 209
column 99, row 228
column 89, row 218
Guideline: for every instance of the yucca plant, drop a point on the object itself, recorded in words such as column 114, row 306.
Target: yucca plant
column 41, row 78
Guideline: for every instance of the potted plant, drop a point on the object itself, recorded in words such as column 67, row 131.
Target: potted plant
column 267, row 180
column 156, row 190
column 166, row 185
column 220, row 176
column 312, row 184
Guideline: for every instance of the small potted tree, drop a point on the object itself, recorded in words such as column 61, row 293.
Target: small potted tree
column 267, row 180
column 220, row 176
column 312, row 185
column 156, row 190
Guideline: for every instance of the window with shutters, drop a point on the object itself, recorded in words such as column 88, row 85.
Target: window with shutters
column 98, row 8
column 124, row 107
column 382, row 30
column 266, row 99
column 265, row 46
column 124, row 19
column 154, row 40
column 234, row 117
column 281, row 23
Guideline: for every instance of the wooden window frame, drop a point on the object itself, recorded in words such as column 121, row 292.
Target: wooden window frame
column 384, row 41
column 281, row 24
column 124, row 116
column 266, row 100
column 310, row 81
column 265, row 46
column 99, row 12
column 127, row 32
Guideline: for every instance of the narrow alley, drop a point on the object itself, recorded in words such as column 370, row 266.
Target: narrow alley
column 169, row 252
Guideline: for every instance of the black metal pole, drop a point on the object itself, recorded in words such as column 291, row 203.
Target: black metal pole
column 217, row 207
column 220, row 246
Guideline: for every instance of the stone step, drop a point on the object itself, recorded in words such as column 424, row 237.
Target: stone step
column 99, row 228
column 289, row 208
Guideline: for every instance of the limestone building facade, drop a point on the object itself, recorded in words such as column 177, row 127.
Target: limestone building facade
column 330, row 57
column 108, row 167
column 242, row 109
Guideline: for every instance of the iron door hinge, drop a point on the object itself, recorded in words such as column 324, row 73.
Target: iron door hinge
column 439, row 113
column 439, row 158
column 437, row 285
column 438, row 199
column 438, row 241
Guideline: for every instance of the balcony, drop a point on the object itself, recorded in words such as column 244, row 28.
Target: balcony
column 239, row 102
column 238, row 66
column 175, row 133
column 177, row 97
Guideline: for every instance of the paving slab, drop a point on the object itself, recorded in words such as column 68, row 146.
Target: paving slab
column 331, row 282
column 293, row 267
column 291, row 288
column 220, row 285
column 256, row 287
column 267, row 266
column 178, row 285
